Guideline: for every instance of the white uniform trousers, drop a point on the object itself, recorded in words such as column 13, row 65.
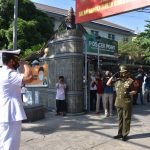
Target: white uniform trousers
column 10, row 133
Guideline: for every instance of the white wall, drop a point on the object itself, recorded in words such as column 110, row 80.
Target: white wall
column 103, row 33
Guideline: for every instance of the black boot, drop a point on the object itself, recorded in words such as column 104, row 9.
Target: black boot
column 118, row 136
column 124, row 138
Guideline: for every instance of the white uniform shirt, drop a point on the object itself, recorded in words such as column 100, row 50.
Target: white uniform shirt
column 11, row 106
column 60, row 93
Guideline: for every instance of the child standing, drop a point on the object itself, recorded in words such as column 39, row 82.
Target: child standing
column 60, row 96
column 23, row 93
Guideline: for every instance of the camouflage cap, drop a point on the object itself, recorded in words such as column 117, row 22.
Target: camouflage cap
column 123, row 68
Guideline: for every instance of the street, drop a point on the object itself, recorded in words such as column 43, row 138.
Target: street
column 86, row 132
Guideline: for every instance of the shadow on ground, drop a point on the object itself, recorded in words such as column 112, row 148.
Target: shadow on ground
column 87, row 122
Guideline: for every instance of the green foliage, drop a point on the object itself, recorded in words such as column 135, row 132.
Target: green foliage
column 131, row 49
column 139, row 49
column 6, row 12
column 3, row 38
column 27, row 10
column 33, row 26
column 143, row 39
column 30, row 50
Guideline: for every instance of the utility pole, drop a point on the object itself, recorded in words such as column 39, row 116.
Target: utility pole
column 86, row 80
column 98, row 38
column 15, row 24
column 98, row 58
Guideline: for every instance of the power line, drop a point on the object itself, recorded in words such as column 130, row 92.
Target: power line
column 145, row 10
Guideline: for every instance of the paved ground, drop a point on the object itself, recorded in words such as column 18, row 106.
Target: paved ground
column 86, row 132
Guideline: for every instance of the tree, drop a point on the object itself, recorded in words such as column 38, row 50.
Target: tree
column 143, row 39
column 34, row 27
column 131, row 49
column 139, row 48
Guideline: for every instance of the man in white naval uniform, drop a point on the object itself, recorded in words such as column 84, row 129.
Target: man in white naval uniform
column 11, row 106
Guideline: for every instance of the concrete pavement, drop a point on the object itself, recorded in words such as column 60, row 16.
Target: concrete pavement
column 86, row 132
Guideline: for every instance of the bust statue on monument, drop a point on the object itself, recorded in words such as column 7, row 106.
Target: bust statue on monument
column 70, row 19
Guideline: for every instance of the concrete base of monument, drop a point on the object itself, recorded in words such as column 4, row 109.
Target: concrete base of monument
column 76, row 114
column 34, row 112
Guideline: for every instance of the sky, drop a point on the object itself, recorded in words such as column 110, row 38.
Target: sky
column 133, row 20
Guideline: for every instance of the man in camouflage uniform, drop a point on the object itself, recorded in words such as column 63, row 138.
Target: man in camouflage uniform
column 124, row 92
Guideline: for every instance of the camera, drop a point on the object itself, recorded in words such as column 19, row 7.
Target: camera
column 127, row 94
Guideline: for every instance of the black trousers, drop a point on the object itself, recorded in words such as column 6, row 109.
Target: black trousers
column 93, row 98
column 61, row 106
column 135, row 99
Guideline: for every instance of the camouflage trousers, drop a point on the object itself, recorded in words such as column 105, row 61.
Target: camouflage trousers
column 124, row 120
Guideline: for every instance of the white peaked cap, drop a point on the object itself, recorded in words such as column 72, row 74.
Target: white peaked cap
column 17, row 52
column 11, row 51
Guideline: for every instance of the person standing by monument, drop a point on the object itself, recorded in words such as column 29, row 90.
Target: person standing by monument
column 124, row 93
column 60, row 96
column 11, row 105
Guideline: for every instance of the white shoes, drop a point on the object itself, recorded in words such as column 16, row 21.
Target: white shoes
column 108, row 115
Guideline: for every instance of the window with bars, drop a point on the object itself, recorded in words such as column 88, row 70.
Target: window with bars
column 93, row 32
column 125, row 39
column 111, row 36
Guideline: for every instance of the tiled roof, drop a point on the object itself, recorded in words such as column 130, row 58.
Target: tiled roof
column 107, row 23
column 51, row 9
column 64, row 12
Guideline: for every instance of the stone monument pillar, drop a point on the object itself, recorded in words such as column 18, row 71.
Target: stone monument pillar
column 66, row 59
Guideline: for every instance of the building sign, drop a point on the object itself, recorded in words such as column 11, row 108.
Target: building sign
column 101, row 46
column 87, row 10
